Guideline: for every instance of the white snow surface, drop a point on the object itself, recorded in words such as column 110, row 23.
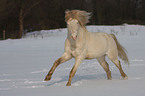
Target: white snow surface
column 25, row 62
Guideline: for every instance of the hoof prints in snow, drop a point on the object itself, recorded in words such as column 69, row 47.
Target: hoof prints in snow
column 21, row 83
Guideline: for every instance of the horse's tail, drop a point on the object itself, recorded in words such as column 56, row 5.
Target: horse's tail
column 121, row 50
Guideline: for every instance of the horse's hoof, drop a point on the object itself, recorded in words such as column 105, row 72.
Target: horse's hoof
column 68, row 84
column 125, row 78
column 109, row 78
column 47, row 78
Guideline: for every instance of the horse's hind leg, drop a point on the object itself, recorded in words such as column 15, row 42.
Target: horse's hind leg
column 118, row 65
column 105, row 65
column 63, row 58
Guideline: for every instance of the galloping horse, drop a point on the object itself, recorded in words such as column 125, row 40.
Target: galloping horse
column 82, row 44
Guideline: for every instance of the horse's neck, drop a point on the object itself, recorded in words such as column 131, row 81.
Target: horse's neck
column 83, row 33
column 81, row 39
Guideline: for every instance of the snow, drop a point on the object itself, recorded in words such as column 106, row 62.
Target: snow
column 25, row 62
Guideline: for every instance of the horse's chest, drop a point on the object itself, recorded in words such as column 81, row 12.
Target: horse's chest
column 74, row 52
column 76, row 48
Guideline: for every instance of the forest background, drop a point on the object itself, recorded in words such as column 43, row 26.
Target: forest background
column 18, row 17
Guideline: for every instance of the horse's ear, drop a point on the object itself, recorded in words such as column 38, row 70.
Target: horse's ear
column 67, row 15
column 67, row 12
column 68, row 20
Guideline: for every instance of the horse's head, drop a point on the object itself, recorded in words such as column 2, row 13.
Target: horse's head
column 76, row 19
column 73, row 26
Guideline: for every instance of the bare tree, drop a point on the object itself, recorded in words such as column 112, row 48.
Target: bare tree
column 25, row 6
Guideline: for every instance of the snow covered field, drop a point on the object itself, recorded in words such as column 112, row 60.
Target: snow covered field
column 25, row 62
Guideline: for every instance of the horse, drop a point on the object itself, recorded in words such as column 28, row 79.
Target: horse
column 82, row 44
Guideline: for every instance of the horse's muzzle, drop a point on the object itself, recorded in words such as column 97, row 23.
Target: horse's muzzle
column 74, row 37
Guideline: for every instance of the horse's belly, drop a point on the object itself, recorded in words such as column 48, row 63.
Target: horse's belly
column 95, row 54
column 90, row 56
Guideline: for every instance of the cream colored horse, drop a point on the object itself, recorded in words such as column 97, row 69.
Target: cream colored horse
column 82, row 44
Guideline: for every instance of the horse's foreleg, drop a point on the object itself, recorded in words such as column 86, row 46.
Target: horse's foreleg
column 65, row 57
column 73, row 71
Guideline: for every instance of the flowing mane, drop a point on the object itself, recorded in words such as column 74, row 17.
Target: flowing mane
column 82, row 16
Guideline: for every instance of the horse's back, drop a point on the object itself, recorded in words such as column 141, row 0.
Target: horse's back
column 98, row 38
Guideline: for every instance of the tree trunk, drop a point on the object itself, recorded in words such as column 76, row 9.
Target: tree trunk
column 20, row 23
column 22, row 14
column 100, row 17
column 4, row 32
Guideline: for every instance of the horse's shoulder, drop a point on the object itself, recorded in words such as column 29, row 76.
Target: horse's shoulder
column 67, row 43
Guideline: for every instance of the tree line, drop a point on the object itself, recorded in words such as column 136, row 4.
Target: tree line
column 17, row 17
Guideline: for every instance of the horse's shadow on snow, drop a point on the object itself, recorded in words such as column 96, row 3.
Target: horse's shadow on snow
column 83, row 77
